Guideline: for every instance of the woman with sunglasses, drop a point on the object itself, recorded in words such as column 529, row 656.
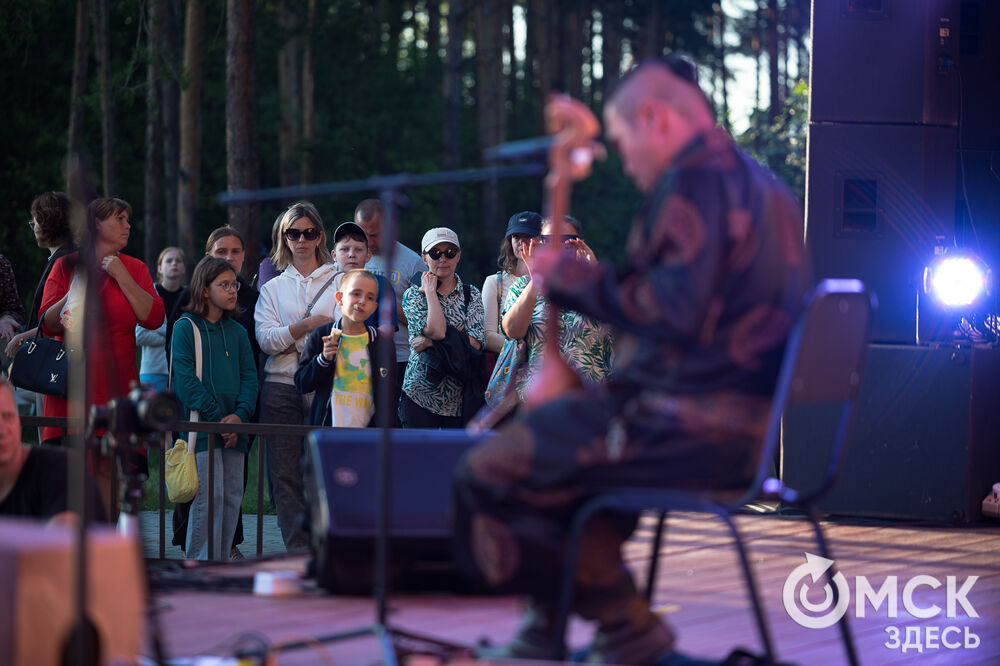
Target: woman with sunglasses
column 299, row 300
column 439, row 302
column 586, row 344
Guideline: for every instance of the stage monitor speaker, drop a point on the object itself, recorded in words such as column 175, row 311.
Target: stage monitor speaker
column 879, row 198
column 341, row 487
column 37, row 610
column 923, row 444
column 884, row 61
column 978, row 68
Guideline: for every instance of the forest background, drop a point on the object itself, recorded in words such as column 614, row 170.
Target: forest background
column 173, row 101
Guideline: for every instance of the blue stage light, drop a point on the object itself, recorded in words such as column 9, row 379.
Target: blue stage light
column 957, row 280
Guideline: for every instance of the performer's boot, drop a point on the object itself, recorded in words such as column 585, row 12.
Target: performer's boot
column 628, row 631
column 535, row 638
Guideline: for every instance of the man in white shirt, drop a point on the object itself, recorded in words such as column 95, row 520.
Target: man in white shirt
column 406, row 263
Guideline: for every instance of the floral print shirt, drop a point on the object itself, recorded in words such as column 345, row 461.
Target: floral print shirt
column 444, row 398
column 586, row 344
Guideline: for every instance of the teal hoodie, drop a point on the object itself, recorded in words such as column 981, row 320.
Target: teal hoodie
column 228, row 382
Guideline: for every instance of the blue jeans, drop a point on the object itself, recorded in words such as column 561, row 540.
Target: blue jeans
column 226, row 500
column 156, row 381
column 281, row 403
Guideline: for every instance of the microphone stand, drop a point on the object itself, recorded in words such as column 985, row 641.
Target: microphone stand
column 390, row 187
column 83, row 645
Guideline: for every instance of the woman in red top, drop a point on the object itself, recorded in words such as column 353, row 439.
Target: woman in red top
column 127, row 299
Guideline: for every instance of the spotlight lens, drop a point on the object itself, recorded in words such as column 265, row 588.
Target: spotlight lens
column 958, row 281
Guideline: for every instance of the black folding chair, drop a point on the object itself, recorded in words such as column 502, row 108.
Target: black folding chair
column 823, row 363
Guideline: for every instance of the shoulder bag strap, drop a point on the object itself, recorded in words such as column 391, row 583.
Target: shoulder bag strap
column 320, row 293
column 499, row 292
column 196, row 335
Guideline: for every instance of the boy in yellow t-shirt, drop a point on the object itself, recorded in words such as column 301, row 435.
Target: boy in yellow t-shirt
column 340, row 361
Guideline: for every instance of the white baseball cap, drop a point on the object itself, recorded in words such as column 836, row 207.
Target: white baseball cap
column 439, row 235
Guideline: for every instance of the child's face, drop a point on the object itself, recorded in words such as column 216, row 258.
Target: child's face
column 222, row 291
column 350, row 254
column 172, row 265
column 358, row 298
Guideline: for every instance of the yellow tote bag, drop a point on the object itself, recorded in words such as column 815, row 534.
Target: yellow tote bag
column 181, row 475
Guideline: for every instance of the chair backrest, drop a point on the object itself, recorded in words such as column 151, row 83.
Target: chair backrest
column 823, row 363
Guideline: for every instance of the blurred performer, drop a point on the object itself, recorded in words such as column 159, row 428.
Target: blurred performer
column 714, row 280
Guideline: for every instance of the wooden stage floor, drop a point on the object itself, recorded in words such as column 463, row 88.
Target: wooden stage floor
column 700, row 591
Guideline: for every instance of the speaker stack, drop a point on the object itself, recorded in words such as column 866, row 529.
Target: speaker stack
column 902, row 130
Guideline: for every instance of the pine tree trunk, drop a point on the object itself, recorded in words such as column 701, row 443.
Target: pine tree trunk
column 103, row 52
column 289, row 92
column 611, row 49
column 241, row 123
column 190, row 129
column 572, row 54
column 532, row 47
column 774, row 107
column 452, row 92
column 723, row 72
column 489, row 93
column 153, row 168
column 79, row 84
column 554, row 39
column 308, row 97
column 170, row 93
column 507, row 14
column 651, row 31
column 758, row 51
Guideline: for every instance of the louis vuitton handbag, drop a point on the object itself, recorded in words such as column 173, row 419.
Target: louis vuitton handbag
column 40, row 365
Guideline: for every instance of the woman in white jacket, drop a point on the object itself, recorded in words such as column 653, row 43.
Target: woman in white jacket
column 300, row 299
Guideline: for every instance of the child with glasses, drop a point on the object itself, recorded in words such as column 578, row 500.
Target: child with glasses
column 226, row 392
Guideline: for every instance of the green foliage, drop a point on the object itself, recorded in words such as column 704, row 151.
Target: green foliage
column 781, row 144
column 378, row 111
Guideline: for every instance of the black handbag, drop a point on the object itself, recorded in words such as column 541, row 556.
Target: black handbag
column 40, row 365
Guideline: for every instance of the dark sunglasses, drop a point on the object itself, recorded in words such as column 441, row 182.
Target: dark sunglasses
column 309, row 234
column 545, row 239
column 435, row 253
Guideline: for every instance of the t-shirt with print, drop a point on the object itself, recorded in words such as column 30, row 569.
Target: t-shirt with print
column 351, row 403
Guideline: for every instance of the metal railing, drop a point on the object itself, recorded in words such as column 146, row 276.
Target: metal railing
column 258, row 430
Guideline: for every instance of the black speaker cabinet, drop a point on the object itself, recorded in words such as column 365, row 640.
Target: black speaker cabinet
column 925, row 443
column 884, row 61
column 979, row 67
column 341, row 473
column 878, row 198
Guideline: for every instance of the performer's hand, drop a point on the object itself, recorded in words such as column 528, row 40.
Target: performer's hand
column 428, row 283
column 420, row 343
column 475, row 343
column 331, row 343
